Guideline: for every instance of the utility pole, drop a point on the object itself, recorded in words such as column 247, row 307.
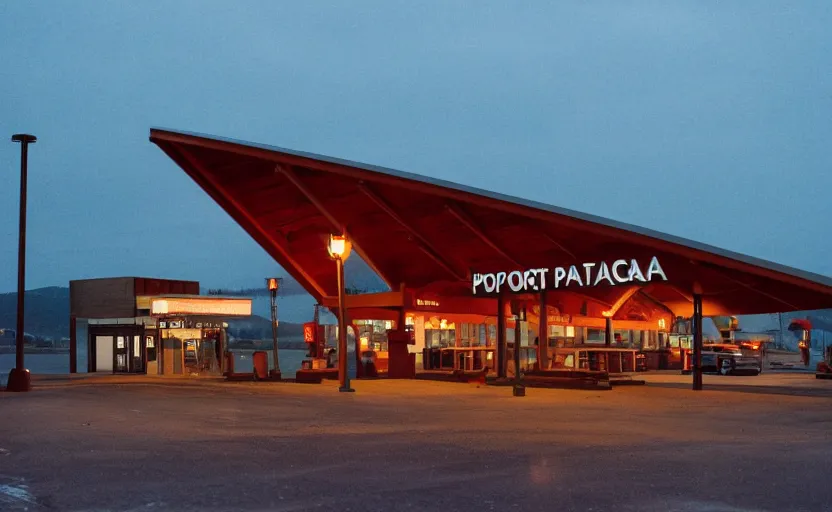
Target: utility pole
column 19, row 378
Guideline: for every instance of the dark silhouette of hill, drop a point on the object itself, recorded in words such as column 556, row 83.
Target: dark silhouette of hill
column 256, row 327
column 47, row 316
column 359, row 277
column 46, row 311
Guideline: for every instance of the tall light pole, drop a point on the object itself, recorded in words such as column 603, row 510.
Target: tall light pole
column 339, row 249
column 273, row 284
column 19, row 378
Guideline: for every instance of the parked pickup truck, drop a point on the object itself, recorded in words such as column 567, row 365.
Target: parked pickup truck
column 729, row 359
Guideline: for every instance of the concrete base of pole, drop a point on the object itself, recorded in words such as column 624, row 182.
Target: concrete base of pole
column 346, row 389
column 19, row 380
column 518, row 390
column 275, row 375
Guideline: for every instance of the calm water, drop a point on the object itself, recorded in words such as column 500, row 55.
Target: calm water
column 290, row 361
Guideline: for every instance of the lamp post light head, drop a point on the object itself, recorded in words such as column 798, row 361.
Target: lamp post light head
column 339, row 247
column 273, row 283
column 24, row 138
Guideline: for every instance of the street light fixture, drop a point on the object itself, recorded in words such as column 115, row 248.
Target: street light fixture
column 19, row 378
column 339, row 248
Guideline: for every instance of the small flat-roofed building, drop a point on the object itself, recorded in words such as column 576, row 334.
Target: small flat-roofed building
column 152, row 326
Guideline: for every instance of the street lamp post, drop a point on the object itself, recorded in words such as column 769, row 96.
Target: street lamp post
column 273, row 284
column 339, row 249
column 19, row 378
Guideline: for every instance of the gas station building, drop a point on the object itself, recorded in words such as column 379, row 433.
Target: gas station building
column 463, row 264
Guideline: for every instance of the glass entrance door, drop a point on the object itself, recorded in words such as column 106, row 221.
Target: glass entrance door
column 137, row 355
column 122, row 354
column 103, row 353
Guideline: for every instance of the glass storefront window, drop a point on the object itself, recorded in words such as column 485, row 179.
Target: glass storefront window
column 469, row 335
column 563, row 361
column 596, row 336
column 373, row 334
column 561, row 336
column 621, row 338
column 561, row 331
column 650, row 340
column 440, row 338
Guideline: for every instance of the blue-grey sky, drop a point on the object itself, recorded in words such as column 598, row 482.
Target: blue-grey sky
column 708, row 120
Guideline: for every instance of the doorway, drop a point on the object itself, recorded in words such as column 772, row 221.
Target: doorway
column 116, row 349
column 129, row 354
column 103, row 353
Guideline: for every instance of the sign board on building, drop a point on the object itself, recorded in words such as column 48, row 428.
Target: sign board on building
column 429, row 303
column 200, row 306
column 585, row 275
column 309, row 329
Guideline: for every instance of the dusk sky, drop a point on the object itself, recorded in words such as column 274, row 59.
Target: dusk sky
column 707, row 120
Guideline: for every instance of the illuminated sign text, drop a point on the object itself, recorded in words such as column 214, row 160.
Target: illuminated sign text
column 584, row 275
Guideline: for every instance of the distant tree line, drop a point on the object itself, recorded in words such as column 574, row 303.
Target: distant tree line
column 264, row 292
column 242, row 292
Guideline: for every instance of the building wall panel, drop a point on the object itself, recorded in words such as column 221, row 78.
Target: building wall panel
column 102, row 298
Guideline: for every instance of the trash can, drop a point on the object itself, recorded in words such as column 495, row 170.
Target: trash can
column 368, row 363
column 260, row 365
column 664, row 360
column 641, row 363
column 229, row 363
column 686, row 362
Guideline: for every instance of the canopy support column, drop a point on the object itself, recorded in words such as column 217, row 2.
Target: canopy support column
column 518, row 389
column 608, row 335
column 73, row 345
column 608, row 338
column 697, row 342
column 501, row 338
column 543, row 334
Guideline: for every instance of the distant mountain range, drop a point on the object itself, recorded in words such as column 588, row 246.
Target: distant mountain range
column 47, row 316
column 359, row 278
column 47, row 309
column 46, row 312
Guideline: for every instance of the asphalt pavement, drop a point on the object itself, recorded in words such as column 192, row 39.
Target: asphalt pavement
column 153, row 444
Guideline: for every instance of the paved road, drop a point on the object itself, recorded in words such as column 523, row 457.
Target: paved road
column 407, row 445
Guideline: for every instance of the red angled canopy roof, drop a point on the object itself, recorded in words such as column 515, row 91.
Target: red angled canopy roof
column 431, row 234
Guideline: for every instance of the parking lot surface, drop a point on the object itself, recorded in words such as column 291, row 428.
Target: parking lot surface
column 745, row 443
